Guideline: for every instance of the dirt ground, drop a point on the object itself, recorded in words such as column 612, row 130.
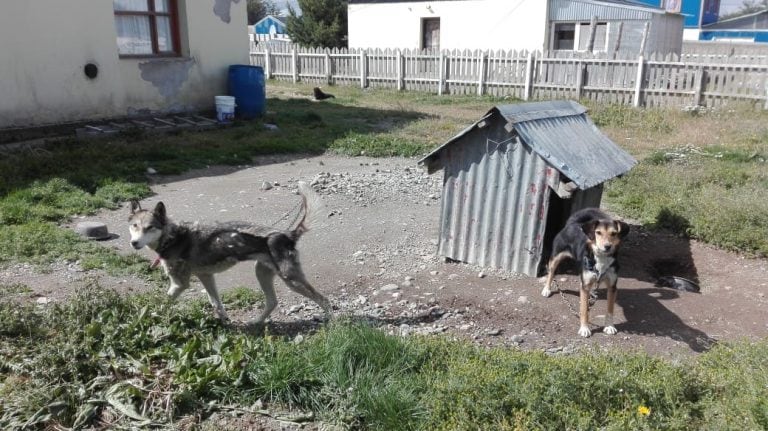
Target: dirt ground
column 375, row 258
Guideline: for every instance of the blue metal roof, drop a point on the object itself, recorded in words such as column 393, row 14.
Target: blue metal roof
column 562, row 134
column 263, row 25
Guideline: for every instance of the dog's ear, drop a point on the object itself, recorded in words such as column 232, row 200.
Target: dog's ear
column 135, row 206
column 589, row 229
column 159, row 212
column 622, row 228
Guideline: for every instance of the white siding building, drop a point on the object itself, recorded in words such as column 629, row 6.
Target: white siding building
column 615, row 26
column 455, row 24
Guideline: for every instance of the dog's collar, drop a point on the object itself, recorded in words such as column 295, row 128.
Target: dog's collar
column 155, row 262
column 590, row 264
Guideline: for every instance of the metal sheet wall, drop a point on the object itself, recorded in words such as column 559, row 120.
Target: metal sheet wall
column 569, row 10
column 494, row 202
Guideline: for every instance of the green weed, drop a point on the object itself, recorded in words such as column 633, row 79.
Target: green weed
column 711, row 194
column 736, row 382
column 242, row 297
column 627, row 117
column 143, row 361
column 356, row 144
column 503, row 389
column 14, row 289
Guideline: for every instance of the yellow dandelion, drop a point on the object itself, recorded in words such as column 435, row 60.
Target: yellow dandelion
column 643, row 410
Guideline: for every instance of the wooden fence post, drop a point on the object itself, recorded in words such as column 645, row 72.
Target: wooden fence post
column 400, row 71
column 581, row 69
column 528, row 77
column 639, row 81
column 441, row 74
column 328, row 70
column 481, row 79
column 267, row 64
column 698, row 85
column 592, row 30
column 617, row 44
column 765, row 105
column 363, row 71
column 295, row 71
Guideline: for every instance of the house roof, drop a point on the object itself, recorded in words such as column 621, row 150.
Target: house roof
column 561, row 133
column 392, row 1
column 629, row 3
column 267, row 18
column 726, row 23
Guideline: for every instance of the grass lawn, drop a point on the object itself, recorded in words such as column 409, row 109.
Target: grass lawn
column 142, row 361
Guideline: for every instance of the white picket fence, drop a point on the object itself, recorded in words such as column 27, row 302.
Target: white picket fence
column 656, row 81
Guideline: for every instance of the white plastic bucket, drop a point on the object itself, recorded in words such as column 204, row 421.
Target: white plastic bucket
column 225, row 108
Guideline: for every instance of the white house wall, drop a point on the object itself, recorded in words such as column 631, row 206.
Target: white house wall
column 691, row 34
column 45, row 44
column 464, row 24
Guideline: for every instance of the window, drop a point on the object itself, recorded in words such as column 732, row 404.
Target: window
column 430, row 33
column 146, row 27
column 564, row 37
column 575, row 36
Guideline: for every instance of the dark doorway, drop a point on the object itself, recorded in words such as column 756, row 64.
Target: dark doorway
column 430, row 33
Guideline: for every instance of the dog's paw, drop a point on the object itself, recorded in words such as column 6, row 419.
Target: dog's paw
column 221, row 315
column 584, row 331
column 610, row 330
column 257, row 322
column 545, row 292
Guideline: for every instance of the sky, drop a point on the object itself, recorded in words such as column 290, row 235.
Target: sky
column 728, row 6
column 283, row 5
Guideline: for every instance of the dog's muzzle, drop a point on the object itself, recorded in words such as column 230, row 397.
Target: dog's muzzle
column 135, row 244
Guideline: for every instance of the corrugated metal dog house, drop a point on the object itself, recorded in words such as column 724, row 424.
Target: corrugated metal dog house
column 513, row 178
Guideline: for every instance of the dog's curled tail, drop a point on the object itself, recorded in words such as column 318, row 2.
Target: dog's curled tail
column 313, row 209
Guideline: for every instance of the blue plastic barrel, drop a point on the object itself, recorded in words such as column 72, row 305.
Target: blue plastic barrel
column 246, row 84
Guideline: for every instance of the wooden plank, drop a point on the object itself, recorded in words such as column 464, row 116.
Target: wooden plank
column 481, row 74
column 267, row 64
column 185, row 120
column 644, row 37
column 581, row 69
column 295, row 65
column 617, row 43
column 166, row 122
column 529, row 76
column 363, row 69
column 441, row 74
column 698, row 87
column 609, row 77
column 639, row 81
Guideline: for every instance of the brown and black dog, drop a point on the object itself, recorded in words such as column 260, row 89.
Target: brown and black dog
column 591, row 238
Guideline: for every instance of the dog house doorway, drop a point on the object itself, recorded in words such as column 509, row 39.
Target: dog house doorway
column 559, row 211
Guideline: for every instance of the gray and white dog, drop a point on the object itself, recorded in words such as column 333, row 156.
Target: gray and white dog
column 188, row 249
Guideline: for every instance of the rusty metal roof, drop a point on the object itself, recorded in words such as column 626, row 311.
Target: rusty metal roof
column 562, row 134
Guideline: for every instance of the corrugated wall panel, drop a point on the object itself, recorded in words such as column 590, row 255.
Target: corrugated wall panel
column 494, row 203
column 570, row 10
